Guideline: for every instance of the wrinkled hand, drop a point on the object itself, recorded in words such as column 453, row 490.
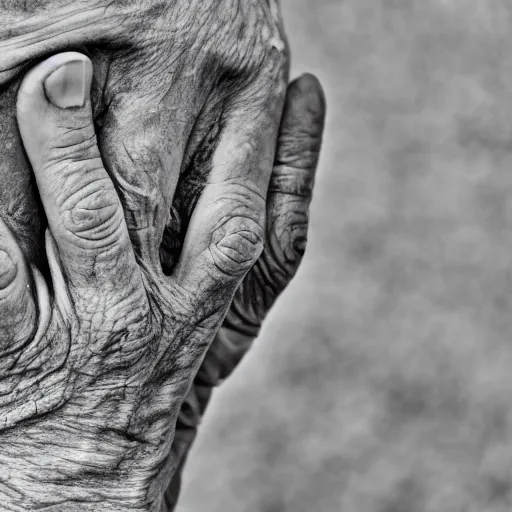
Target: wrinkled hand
column 172, row 82
column 187, row 97
column 93, row 372
column 288, row 199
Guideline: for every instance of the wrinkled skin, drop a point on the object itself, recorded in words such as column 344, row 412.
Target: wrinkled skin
column 178, row 113
column 172, row 79
column 290, row 193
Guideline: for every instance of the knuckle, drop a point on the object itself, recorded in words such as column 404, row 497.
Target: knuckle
column 294, row 181
column 93, row 213
column 236, row 245
column 298, row 149
column 289, row 234
column 297, row 242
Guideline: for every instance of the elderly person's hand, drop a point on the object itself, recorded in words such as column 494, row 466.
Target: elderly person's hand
column 288, row 199
column 174, row 80
column 94, row 372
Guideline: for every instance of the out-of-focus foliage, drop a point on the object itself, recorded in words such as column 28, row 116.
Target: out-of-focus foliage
column 382, row 381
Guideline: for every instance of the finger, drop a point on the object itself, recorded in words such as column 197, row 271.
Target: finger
column 144, row 135
column 226, row 230
column 289, row 195
column 84, row 213
column 18, row 312
column 293, row 176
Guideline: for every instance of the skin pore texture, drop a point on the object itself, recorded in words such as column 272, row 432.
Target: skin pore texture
column 175, row 196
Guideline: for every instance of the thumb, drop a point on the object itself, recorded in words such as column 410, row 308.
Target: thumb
column 84, row 213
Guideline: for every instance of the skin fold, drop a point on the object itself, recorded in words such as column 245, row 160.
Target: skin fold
column 188, row 222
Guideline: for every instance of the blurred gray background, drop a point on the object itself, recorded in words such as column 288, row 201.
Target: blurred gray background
column 381, row 382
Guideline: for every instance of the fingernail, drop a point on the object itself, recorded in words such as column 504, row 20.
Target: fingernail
column 69, row 85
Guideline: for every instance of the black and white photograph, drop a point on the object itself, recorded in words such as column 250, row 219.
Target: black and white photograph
column 255, row 256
